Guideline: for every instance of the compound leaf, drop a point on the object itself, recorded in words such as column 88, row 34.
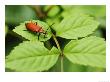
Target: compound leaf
column 75, row 26
column 31, row 56
column 87, row 51
column 21, row 30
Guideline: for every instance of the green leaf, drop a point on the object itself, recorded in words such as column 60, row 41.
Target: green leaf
column 67, row 66
column 31, row 56
column 67, row 7
column 87, row 51
column 97, row 11
column 54, row 11
column 51, row 10
column 21, row 30
column 95, row 69
column 16, row 14
column 70, row 67
column 75, row 26
column 55, row 21
column 98, row 33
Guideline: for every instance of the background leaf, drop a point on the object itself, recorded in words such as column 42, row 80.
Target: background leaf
column 88, row 51
column 32, row 35
column 54, row 11
column 15, row 14
column 97, row 11
column 31, row 56
column 95, row 69
column 75, row 26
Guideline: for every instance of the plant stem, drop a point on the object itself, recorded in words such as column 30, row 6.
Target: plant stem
column 61, row 53
column 39, row 11
column 55, row 39
column 61, row 63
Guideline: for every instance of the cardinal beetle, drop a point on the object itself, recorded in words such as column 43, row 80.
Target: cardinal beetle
column 34, row 27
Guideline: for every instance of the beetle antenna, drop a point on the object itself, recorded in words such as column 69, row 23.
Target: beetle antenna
column 48, row 28
column 31, row 20
column 52, row 24
column 38, row 35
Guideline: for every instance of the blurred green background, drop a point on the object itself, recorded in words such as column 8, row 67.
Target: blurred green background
column 16, row 14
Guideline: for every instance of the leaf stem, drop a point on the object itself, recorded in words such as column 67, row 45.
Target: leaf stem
column 61, row 53
column 56, row 41
column 61, row 63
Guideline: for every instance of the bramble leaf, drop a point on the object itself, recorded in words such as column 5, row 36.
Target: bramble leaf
column 21, row 30
column 75, row 26
column 87, row 51
column 31, row 56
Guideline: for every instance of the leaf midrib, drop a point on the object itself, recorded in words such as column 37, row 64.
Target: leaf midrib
column 29, row 57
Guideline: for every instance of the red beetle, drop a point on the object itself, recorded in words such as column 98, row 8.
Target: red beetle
column 34, row 27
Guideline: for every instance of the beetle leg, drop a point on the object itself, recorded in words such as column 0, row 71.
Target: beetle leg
column 46, row 31
column 24, row 30
column 48, row 28
column 36, row 23
column 45, row 36
column 38, row 35
column 39, row 29
column 52, row 24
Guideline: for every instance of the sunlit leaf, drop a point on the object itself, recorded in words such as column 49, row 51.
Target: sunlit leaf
column 75, row 26
column 31, row 56
column 88, row 51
